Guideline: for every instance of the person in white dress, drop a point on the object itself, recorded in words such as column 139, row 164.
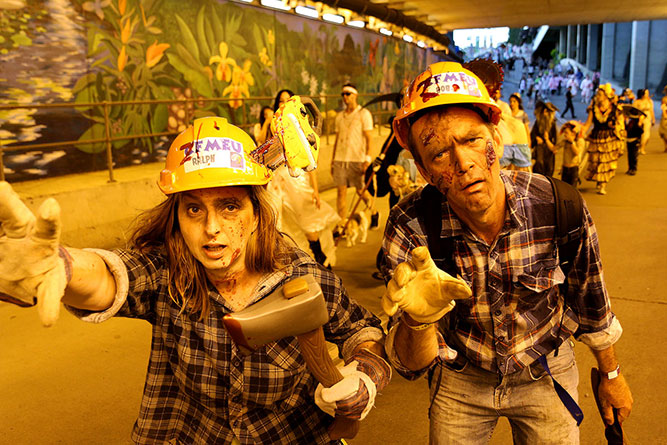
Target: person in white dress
column 301, row 213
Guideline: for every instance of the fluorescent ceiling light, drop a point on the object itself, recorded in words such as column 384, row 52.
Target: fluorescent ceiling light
column 307, row 11
column 408, row 38
column 333, row 18
column 421, row 44
column 385, row 31
column 356, row 23
column 277, row 4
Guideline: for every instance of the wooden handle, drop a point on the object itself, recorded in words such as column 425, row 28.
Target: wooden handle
column 314, row 350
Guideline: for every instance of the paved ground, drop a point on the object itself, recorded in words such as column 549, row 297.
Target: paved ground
column 78, row 383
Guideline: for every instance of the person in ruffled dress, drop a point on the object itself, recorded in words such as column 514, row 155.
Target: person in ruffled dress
column 606, row 141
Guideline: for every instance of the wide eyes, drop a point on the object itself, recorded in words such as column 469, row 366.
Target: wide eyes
column 194, row 210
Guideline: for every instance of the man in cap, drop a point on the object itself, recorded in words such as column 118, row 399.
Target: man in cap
column 209, row 249
column 488, row 353
column 352, row 151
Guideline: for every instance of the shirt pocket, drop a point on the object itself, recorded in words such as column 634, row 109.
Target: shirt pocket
column 283, row 380
column 535, row 282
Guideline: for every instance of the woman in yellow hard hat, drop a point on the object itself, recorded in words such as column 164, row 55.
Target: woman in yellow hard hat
column 209, row 249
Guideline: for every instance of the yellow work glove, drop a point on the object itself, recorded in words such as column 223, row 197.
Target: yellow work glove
column 33, row 267
column 422, row 290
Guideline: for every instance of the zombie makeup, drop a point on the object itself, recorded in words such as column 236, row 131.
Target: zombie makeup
column 215, row 224
column 491, row 155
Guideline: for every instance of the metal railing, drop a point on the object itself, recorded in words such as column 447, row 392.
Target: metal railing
column 189, row 105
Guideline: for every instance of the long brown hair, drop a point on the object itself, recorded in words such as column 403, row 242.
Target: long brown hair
column 187, row 282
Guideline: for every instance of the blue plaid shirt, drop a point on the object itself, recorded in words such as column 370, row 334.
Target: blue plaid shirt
column 200, row 388
column 517, row 311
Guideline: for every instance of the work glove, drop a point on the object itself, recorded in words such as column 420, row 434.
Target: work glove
column 34, row 269
column 422, row 290
column 354, row 396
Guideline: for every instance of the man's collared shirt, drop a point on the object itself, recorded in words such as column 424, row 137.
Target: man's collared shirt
column 200, row 388
column 517, row 311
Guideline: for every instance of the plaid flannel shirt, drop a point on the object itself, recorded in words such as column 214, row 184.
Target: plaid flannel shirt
column 199, row 388
column 517, row 311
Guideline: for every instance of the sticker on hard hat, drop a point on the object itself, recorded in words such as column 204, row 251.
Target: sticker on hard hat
column 450, row 83
column 213, row 153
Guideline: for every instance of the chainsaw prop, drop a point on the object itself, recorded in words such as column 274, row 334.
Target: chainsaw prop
column 297, row 309
column 295, row 142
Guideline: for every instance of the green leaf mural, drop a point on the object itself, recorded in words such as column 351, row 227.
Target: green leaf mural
column 146, row 50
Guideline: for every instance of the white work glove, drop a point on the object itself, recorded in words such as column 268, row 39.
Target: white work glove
column 33, row 268
column 422, row 290
column 352, row 397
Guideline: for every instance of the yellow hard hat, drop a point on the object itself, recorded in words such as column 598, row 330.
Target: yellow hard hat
column 211, row 153
column 443, row 83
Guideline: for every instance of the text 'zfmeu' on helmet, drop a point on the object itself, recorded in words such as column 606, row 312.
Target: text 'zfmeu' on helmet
column 211, row 153
column 441, row 84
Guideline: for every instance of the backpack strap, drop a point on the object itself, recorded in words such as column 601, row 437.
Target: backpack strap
column 569, row 216
column 429, row 214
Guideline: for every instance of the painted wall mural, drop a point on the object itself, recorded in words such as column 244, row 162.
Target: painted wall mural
column 91, row 51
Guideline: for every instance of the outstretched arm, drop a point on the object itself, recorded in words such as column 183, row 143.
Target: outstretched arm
column 35, row 269
column 92, row 286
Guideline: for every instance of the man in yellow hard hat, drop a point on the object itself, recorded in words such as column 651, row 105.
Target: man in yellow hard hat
column 489, row 337
column 209, row 249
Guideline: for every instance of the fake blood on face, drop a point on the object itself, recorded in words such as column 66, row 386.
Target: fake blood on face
column 491, row 155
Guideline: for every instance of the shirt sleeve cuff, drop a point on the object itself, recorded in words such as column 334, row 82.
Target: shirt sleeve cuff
column 603, row 339
column 445, row 354
column 368, row 333
column 119, row 272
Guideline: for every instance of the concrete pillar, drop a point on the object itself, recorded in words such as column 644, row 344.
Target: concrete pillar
column 639, row 54
column 607, row 53
column 593, row 48
column 571, row 49
column 622, row 41
column 583, row 32
column 562, row 40
column 577, row 54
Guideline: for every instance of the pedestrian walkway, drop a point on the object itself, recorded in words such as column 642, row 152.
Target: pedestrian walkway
column 80, row 383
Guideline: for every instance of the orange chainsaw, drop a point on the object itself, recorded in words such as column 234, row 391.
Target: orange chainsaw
column 295, row 141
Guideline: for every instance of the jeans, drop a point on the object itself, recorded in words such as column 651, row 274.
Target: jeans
column 467, row 402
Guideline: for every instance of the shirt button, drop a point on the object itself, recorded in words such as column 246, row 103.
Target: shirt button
column 236, row 399
column 501, row 338
column 236, row 362
column 497, row 313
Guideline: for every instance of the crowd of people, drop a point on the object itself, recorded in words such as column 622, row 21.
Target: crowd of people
column 227, row 236
column 613, row 125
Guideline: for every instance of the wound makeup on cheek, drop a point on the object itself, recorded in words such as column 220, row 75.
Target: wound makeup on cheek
column 235, row 255
column 491, row 155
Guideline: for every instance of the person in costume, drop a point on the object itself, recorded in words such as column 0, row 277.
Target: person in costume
column 606, row 140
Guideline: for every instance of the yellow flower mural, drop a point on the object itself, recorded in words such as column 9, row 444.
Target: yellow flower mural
column 122, row 59
column 264, row 57
column 125, row 31
column 154, row 53
column 241, row 80
column 225, row 64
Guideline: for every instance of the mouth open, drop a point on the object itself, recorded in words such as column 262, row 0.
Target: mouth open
column 472, row 185
column 214, row 250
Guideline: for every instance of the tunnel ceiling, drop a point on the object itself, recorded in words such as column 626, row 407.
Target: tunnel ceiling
column 448, row 15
